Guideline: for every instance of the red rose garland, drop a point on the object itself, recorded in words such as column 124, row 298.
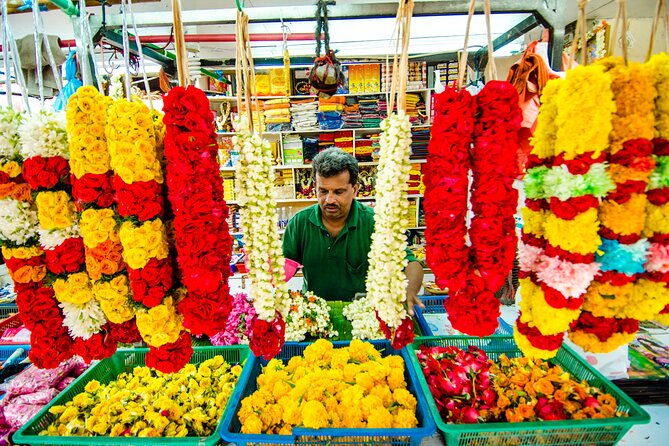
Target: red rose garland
column 472, row 274
column 268, row 337
column 195, row 191
column 45, row 173
column 172, row 357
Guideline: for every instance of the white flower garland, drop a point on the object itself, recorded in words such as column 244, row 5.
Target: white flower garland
column 18, row 221
column 305, row 306
column 365, row 324
column 255, row 180
column 116, row 88
column 9, row 133
column 386, row 281
column 44, row 134
column 83, row 320
column 53, row 238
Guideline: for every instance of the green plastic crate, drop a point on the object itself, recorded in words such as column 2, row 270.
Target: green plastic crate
column 343, row 325
column 106, row 371
column 599, row 432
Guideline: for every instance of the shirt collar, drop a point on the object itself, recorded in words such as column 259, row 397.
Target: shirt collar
column 351, row 221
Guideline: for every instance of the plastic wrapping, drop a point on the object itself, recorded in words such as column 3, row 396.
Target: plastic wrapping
column 34, row 379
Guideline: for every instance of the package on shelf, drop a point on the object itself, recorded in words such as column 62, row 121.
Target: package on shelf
column 279, row 82
column 344, row 140
column 219, row 85
column 303, row 114
column 229, row 189
column 415, row 182
column 277, row 115
column 283, row 185
column 376, row 145
column 343, row 86
column 304, row 184
column 301, row 81
column 412, row 213
column 363, row 149
column 415, row 108
column 448, row 72
column 330, row 112
column 310, row 148
column 292, row 149
column 325, row 141
column 364, row 78
column 257, row 115
column 225, row 149
column 417, row 77
column 263, row 84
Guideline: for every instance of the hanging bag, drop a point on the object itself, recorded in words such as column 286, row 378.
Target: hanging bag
column 325, row 76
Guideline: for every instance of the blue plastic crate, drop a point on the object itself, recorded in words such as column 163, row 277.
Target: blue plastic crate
column 435, row 305
column 230, row 426
column 7, row 350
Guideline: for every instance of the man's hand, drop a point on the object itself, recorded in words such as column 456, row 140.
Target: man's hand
column 412, row 301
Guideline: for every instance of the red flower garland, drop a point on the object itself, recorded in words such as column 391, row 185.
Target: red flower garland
column 195, row 191
column 46, row 173
column 125, row 333
column 268, row 337
column 92, row 189
column 142, row 199
column 99, row 346
column 473, row 274
column 170, row 358
column 404, row 334
column 603, row 327
column 66, row 258
column 151, row 283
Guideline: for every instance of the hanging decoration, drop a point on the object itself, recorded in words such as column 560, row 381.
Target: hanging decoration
column 195, row 192
column 386, row 282
column 325, row 76
column 478, row 134
column 255, row 177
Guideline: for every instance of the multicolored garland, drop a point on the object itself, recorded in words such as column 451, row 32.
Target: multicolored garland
column 195, row 192
column 386, row 282
column 473, row 273
column 565, row 179
column 268, row 289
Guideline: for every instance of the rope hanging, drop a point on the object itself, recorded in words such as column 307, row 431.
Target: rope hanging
column 621, row 19
column 580, row 31
column 39, row 27
column 245, row 71
column 662, row 10
column 325, row 76
column 180, row 45
column 462, row 63
column 398, row 84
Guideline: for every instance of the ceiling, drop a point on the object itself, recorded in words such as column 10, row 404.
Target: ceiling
column 351, row 37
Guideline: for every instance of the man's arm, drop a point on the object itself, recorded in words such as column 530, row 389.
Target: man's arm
column 414, row 273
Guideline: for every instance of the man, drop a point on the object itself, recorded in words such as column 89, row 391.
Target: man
column 332, row 239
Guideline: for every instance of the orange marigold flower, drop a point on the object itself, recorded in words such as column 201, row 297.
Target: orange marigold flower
column 607, row 400
column 544, row 387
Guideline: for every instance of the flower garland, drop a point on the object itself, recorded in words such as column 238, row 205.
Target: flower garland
column 657, row 207
column 161, row 324
column 565, row 180
column 100, row 232
column 89, row 158
column 309, row 315
column 364, row 322
column 18, row 223
column 602, row 334
column 239, row 324
column 386, row 282
column 195, row 192
column 113, row 296
column 10, row 121
column 263, row 246
column 490, row 121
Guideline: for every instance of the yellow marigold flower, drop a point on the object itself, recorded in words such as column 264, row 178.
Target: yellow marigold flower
column 544, row 140
column 590, row 343
column 405, row 419
column 659, row 66
column 314, row 415
column 657, row 219
column 535, row 310
column 21, row 252
column 533, row 221
column 579, row 235
column 380, row 418
column 11, row 168
column 55, row 210
column 76, row 289
column 626, row 218
column 585, row 105
column 634, row 93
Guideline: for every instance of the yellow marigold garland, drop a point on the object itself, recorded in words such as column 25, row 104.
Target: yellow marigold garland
column 622, row 218
column 578, row 235
column 529, row 350
column 657, row 220
column 114, row 299
column 586, row 92
column 535, row 310
column 543, row 141
column 659, row 65
column 98, row 226
column 590, row 343
column 55, row 210
column 21, row 252
column 533, row 221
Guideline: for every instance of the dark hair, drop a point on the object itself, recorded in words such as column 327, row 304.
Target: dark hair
column 333, row 161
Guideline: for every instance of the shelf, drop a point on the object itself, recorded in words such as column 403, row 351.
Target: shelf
column 308, row 166
column 359, row 130
column 267, row 98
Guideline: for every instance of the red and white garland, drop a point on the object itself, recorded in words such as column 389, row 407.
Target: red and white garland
column 489, row 121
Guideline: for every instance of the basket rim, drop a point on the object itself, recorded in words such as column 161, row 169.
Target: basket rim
column 636, row 415
column 20, row 437
column 429, row 427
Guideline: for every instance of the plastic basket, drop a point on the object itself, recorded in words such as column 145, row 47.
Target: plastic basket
column 600, row 432
column 230, row 428
column 7, row 350
column 7, row 310
column 10, row 322
column 107, row 370
column 435, row 305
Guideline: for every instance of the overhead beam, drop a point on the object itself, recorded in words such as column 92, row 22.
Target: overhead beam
column 509, row 36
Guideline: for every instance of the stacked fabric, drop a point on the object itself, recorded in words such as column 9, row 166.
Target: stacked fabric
column 351, row 116
column 369, row 108
column 310, row 148
column 376, row 145
column 344, row 140
column 329, row 113
column 277, row 115
column 363, row 149
column 325, row 141
column 303, row 113
column 420, row 137
column 415, row 108
column 415, row 182
column 258, row 118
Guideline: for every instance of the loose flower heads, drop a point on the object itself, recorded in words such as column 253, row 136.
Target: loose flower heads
column 263, row 245
column 490, row 122
column 309, row 315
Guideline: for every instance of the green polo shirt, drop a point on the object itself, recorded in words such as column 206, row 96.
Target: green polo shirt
column 334, row 268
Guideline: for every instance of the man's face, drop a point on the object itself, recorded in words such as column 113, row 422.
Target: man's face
column 335, row 195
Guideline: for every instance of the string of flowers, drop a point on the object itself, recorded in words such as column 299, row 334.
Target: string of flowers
column 195, row 192
column 622, row 214
column 263, row 246
column 657, row 207
column 386, row 282
column 309, row 315
column 25, row 259
column 566, row 178
column 364, row 322
column 239, row 324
